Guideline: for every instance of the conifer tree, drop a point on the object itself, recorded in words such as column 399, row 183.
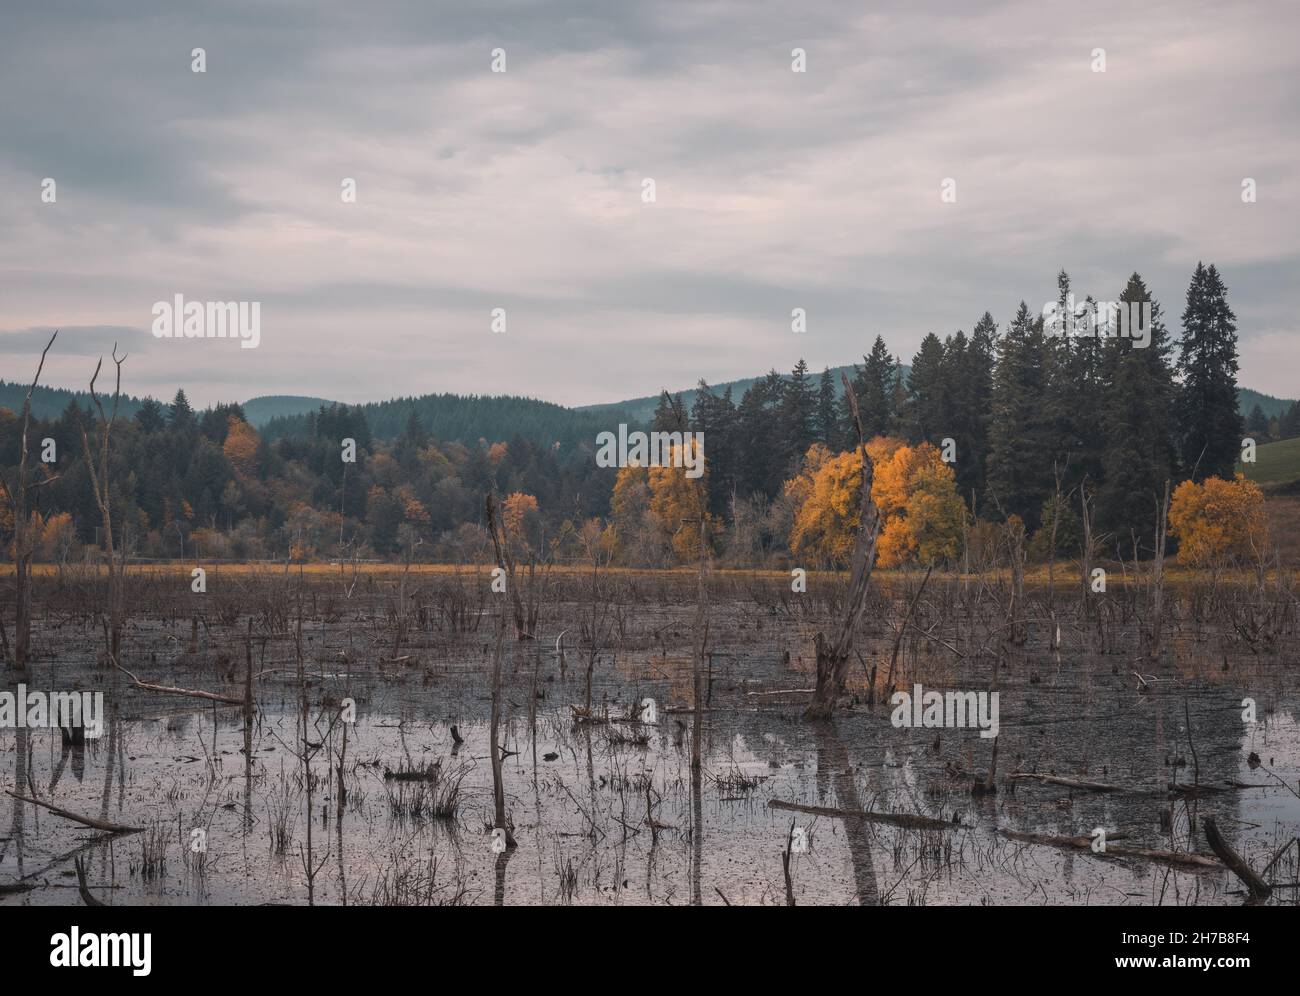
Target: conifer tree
column 1209, row 425
column 798, row 417
column 1020, row 430
column 827, row 423
column 873, row 385
column 1138, row 428
column 927, row 415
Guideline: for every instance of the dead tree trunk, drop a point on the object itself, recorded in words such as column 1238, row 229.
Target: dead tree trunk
column 1088, row 551
column 1156, row 602
column 500, row 543
column 99, row 482
column 498, row 778
column 17, row 497
column 1018, row 630
column 1259, row 889
column 701, row 641
column 833, row 655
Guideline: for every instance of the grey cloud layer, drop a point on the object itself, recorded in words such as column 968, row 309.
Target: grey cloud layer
column 521, row 190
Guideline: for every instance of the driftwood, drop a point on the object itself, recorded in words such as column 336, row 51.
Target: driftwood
column 88, row 821
column 898, row 640
column 170, row 690
column 1188, row 859
column 833, row 654
column 1181, row 791
column 1259, row 889
column 1076, row 783
column 87, row 896
column 892, row 819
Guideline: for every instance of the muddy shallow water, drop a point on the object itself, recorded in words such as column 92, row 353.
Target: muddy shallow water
column 183, row 767
column 579, row 796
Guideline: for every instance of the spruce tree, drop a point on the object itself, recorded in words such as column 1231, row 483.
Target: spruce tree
column 1257, row 423
column 798, row 416
column 1209, row 424
column 1139, row 429
column 1020, row 431
column 973, row 434
column 873, row 385
column 670, row 414
column 715, row 417
column 927, row 414
column 180, row 412
column 828, row 426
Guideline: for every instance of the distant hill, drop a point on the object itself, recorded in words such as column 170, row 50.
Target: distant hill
column 469, row 418
column 642, row 409
column 262, row 409
column 1248, row 399
column 50, row 402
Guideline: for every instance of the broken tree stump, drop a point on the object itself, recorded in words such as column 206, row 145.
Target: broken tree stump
column 1259, row 889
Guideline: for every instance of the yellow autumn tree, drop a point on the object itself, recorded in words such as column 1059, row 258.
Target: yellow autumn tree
column 913, row 488
column 827, row 518
column 240, row 447
column 633, row 535
column 1218, row 520
column 519, row 515
column 679, row 504
column 916, row 493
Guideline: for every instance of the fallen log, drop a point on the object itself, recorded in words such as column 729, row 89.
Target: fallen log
column 1076, row 783
column 1188, row 859
column 171, row 690
column 1259, row 889
column 88, row 821
column 892, row 819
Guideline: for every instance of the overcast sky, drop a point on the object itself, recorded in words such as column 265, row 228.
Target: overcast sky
column 523, row 190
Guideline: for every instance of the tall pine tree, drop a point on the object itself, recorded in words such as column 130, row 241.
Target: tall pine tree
column 1209, row 425
column 1138, row 427
column 1021, row 430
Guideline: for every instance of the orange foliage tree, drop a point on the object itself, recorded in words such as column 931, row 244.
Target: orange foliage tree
column 679, row 504
column 240, row 447
column 914, row 490
column 1218, row 520
column 916, row 493
column 519, row 515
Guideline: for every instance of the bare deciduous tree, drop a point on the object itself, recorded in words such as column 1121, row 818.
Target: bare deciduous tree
column 833, row 655
column 99, row 482
column 17, row 498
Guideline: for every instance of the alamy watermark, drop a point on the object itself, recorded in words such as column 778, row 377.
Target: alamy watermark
column 38, row 710
column 655, row 449
column 181, row 319
column 951, row 710
column 1103, row 319
column 102, row 950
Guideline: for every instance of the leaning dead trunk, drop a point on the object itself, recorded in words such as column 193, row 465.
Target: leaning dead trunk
column 701, row 641
column 1088, row 550
column 1017, row 628
column 100, row 485
column 498, row 781
column 500, row 543
column 22, row 532
column 1156, row 601
column 833, row 654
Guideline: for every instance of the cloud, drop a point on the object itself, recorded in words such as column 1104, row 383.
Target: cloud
column 521, row 190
